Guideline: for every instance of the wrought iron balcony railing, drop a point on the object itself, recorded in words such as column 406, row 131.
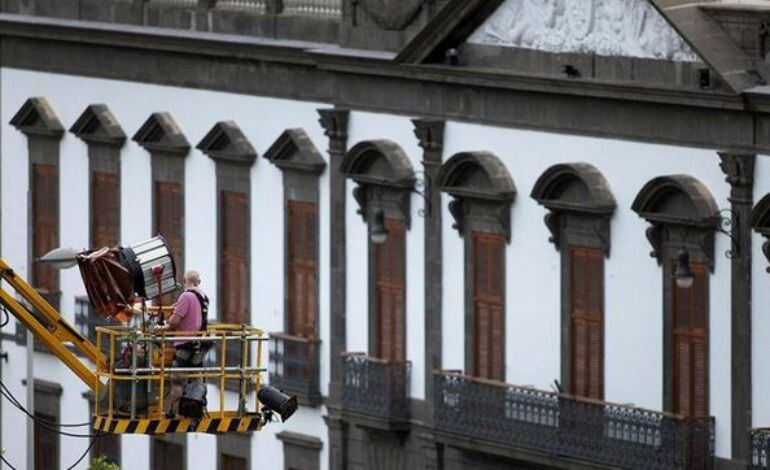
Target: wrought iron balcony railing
column 592, row 431
column 376, row 388
column 294, row 366
column 760, row 449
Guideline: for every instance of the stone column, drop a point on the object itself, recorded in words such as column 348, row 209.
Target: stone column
column 430, row 134
column 739, row 169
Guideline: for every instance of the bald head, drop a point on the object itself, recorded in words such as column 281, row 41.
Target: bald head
column 192, row 278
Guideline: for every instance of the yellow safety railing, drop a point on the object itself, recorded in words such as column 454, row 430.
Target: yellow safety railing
column 150, row 366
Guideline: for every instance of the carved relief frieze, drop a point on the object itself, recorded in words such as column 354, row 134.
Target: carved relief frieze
column 630, row 28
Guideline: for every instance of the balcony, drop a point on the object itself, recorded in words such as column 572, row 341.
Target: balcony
column 375, row 392
column 294, row 367
column 760, row 447
column 469, row 410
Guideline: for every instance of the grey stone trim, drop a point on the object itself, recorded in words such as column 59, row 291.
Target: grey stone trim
column 225, row 142
column 294, row 150
column 36, row 117
column 302, row 440
column 430, row 134
column 448, row 28
column 739, row 172
column 681, row 201
column 388, row 16
column 385, row 178
column 97, row 125
column 173, row 438
column 237, row 445
column 575, row 188
column 701, row 119
column 482, row 189
column 161, row 133
column 335, row 124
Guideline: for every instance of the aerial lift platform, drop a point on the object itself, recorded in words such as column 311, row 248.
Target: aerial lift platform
column 131, row 366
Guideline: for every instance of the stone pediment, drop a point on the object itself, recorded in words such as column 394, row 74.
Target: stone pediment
column 226, row 142
column 37, row 117
column 618, row 28
column 98, row 125
column 160, row 132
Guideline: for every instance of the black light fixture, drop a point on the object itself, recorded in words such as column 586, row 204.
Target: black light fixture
column 704, row 78
column 378, row 232
column 570, row 71
column 452, row 57
column 683, row 273
column 275, row 401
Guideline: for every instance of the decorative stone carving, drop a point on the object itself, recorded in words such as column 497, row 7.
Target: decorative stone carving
column 384, row 176
column 36, row 117
column 738, row 169
column 335, row 122
column 160, row 132
column 680, row 204
column 391, row 14
column 294, row 150
column 429, row 133
column 576, row 188
column 481, row 187
column 631, row 28
column 226, row 142
column 98, row 125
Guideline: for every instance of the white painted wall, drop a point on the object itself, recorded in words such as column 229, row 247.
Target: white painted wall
column 132, row 103
column 760, row 315
column 633, row 328
column 399, row 129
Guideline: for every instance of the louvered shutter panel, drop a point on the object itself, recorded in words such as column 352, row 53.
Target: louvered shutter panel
column 488, row 259
column 389, row 260
column 234, row 264
column 168, row 223
column 690, row 321
column 45, row 225
column 104, row 209
column 587, row 317
column 302, row 269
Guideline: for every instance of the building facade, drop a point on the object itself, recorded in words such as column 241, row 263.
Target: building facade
column 460, row 220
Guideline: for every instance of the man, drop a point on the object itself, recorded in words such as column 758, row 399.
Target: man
column 190, row 312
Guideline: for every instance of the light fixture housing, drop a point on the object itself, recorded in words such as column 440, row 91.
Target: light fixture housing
column 275, row 401
column 378, row 232
column 61, row 258
column 683, row 273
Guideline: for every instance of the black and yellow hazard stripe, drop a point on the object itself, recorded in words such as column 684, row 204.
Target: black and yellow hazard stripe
column 226, row 424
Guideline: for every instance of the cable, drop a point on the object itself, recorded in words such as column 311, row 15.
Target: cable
column 88, row 450
column 15, row 402
column 37, row 420
column 7, row 462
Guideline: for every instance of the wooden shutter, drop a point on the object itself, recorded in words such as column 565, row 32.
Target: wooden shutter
column 105, row 207
column 230, row 462
column 587, row 322
column 46, row 444
column 488, row 260
column 45, row 225
column 169, row 214
column 390, row 276
column 234, row 263
column 691, row 345
column 167, row 455
column 303, row 288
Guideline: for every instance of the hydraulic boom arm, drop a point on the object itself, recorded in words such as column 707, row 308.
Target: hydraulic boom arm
column 50, row 327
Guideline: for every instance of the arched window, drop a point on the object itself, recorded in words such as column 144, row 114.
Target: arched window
column 683, row 215
column 385, row 181
column 483, row 192
column 580, row 206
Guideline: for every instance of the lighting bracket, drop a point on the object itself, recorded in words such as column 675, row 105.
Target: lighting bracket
column 728, row 221
column 423, row 187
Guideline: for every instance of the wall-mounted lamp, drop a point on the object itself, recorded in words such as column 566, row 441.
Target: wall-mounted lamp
column 378, row 232
column 452, row 57
column 683, row 273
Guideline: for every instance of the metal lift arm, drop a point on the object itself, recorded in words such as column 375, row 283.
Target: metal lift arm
column 51, row 329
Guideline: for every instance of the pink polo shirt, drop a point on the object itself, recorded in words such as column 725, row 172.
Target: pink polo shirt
column 188, row 309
